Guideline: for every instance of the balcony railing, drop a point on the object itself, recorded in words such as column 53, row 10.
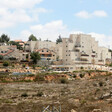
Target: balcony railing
column 84, row 55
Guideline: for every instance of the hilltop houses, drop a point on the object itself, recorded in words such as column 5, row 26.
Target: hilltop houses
column 82, row 51
column 79, row 51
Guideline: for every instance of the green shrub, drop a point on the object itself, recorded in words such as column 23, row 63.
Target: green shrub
column 83, row 102
column 100, row 84
column 13, row 65
column 40, row 93
column 63, row 80
column 24, row 95
column 33, row 66
column 5, row 63
column 24, row 65
column 1, row 57
column 74, row 76
column 81, row 75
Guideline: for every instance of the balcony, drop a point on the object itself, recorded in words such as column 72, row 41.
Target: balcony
column 93, row 54
column 77, row 48
column 84, row 57
column 100, row 60
column 81, row 61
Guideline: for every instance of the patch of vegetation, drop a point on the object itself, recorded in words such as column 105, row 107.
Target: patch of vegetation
column 6, row 63
column 33, row 66
column 109, row 74
column 81, row 75
column 24, row 65
column 24, row 95
column 83, row 102
column 39, row 77
column 13, row 65
column 76, row 71
column 74, row 76
column 101, row 83
column 30, row 75
column 63, row 80
column 40, row 94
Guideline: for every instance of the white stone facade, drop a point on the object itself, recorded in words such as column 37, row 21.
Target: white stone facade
column 81, row 50
column 33, row 45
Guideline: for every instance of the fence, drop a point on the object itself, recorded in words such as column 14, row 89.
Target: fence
column 51, row 109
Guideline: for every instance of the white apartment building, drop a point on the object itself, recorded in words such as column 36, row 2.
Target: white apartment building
column 34, row 45
column 11, row 51
column 104, row 55
column 81, row 50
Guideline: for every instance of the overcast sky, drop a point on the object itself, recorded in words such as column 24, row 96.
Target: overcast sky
column 47, row 19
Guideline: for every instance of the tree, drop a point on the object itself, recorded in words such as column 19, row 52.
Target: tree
column 35, row 56
column 110, row 64
column 4, row 38
column 32, row 38
column 59, row 39
column 1, row 57
column 5, row 63
column 47, row 40
column 27, row 56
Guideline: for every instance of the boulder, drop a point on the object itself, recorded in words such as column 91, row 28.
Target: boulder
column 73, row 110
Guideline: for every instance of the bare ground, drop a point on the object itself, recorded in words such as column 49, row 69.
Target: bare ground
column 82, row 95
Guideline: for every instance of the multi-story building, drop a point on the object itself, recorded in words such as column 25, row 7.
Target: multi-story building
column 11, row 52
column 104, row 56
column 46, row 54
column 34, row 45
column 77, row 51
column 81, row 50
